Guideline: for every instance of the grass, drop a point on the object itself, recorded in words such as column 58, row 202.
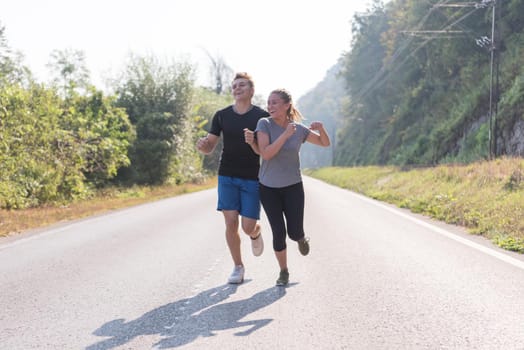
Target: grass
column 17, row 221
column 485, row 197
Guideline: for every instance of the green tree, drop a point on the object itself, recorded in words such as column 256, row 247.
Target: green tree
column 361, row 130
column 51, row 152
column 157, row 97
column 205, row 104
column 11, row 68
column 70, row 71
column 102, row 134
column 37, row 158
column 220, row 72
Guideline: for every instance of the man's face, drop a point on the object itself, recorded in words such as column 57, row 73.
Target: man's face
column 241, row 89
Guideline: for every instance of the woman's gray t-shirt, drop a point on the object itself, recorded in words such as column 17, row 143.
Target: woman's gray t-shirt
column 284, row 168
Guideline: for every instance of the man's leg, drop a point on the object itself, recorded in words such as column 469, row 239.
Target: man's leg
column 250, row 207
column 232, row 235
column 251, row 227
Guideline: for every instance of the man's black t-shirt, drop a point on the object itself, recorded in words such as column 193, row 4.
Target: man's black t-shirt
column 237, row 158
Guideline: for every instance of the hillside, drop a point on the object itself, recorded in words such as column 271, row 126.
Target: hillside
column 420, row 85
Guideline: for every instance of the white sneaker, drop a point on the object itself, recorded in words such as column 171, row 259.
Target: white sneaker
column 237, row 276
column 257, row 244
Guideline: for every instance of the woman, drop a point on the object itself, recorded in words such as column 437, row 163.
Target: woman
column 279, row 138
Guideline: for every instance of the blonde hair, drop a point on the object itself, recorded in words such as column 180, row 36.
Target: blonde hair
column 292, row 113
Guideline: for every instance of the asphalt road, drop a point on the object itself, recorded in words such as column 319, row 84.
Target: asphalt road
column 153, row 277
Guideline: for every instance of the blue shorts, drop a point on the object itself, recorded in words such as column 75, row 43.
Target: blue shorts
column 239, row 194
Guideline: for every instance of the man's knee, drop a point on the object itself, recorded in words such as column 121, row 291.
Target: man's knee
column 248, row 225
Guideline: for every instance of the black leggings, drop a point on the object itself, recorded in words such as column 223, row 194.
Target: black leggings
column 279, row 203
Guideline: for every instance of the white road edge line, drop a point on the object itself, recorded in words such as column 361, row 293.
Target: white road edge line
column 53, row 231
column 36, row 236
column 506, row 258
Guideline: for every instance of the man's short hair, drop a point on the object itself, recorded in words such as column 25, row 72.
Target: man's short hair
column 244, row 75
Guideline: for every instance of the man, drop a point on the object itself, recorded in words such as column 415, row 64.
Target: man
column 238, row 170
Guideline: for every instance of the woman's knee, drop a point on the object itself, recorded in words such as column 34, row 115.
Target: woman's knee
column 296, row 236
column 279, row 245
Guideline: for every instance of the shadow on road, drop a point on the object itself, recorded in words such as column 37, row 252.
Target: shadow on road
column 183, row 321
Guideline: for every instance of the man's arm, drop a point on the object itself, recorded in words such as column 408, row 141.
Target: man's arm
column 206, row 145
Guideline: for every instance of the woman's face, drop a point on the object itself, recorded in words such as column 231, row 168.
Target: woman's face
column 276, row 106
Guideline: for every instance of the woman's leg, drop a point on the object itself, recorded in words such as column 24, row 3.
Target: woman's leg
column 272, row 204
column 294, row 211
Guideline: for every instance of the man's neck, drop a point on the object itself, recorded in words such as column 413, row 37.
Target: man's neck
column 242, row 107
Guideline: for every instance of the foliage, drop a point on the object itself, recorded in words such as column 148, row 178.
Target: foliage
column 29, row 173
column 157, row 97
column 55, row 148
column 61, row 142
column 102, row 135
column 48, row 150
column 205, row 103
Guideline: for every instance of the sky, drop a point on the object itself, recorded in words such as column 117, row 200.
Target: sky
column 282, row 44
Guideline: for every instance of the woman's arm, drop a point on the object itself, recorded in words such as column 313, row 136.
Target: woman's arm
column 269, row 150
column 318, row 135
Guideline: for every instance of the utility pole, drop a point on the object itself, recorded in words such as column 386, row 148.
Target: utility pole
column 490, row 44
column 492, row 102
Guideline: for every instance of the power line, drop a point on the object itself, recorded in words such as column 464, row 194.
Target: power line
column 478, row 5
column 383, row 74
column 385, row 67
column 490, row 44
column 388, row 68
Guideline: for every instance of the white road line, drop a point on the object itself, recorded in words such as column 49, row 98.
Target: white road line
column 66, row 226
column 506, row 258
column 36, row 236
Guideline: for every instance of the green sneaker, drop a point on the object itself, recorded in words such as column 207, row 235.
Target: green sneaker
column 303, row 246
column 283, row 278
